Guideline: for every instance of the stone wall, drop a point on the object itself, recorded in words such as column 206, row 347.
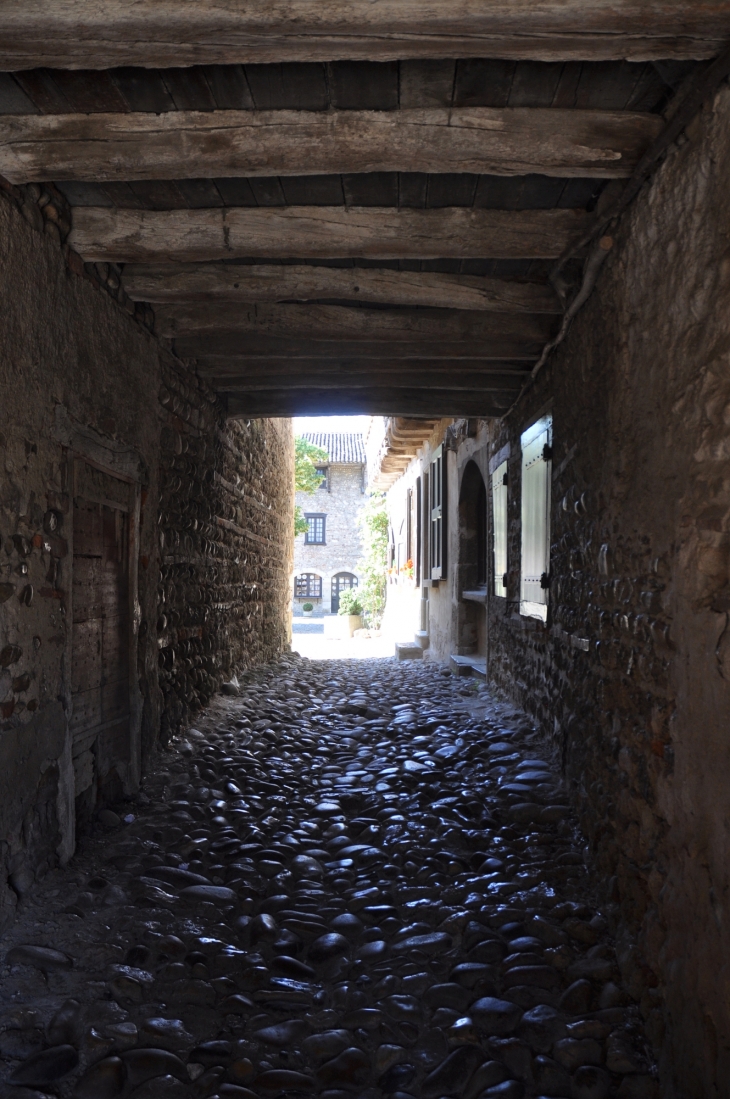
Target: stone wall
column 343, row 549
column 631, row 675
column 82, row 380
column 225, row 517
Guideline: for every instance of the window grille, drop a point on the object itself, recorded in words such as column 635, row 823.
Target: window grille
column 308, row 586
column 499, row 527
column 315, row 534
column 437, row 546
column 535, row 566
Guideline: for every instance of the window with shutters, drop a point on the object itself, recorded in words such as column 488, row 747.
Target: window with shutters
column 437, row 540
column 499, row 525
column 536, row 466
column 315, row 533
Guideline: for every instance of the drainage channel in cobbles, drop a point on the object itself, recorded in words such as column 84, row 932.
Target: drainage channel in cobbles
column 358, row 878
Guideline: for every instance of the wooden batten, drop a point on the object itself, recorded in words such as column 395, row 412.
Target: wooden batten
column 102, row 234
column 190, row 144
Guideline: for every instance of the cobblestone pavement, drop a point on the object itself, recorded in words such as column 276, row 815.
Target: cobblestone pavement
column 358, row 879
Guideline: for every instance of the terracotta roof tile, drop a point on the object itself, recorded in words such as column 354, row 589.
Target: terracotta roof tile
column 343, row 447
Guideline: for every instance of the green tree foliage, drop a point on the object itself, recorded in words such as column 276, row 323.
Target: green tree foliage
column 373, row 524
column 307, row 477
column 350, row 602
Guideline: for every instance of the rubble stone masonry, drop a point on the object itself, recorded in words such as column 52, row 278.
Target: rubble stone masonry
column 631, row 675
column 87, row 391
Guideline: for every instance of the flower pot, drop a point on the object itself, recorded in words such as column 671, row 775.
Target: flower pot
column 354, row 622
column 307, row 614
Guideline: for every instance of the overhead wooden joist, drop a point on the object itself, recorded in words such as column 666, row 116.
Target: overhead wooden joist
column 192, row 144
column 272, row 283
column 159, row 33
column 332, row 371
column 366, row 379
column 342, row 322
column 103, row 234
column 251, row 346
column 377, row 400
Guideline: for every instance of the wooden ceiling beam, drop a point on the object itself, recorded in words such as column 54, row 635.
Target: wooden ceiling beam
column 254, row 348
column 103, row 234
column 455, row 380
column 410, row 370
column 212, row 144
column 343, row 322
column 72, row 34
column 270, row 283
column 380, row 400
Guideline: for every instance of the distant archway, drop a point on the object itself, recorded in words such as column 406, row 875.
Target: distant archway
column 341, row 581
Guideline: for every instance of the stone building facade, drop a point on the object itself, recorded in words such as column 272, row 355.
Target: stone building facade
column 326, row 559
column 144, row 548
column 618, row 647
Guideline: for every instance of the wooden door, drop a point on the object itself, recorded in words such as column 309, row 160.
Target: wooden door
column 100, row 662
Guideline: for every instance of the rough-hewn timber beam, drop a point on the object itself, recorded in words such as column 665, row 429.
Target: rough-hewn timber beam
column 267, row 282
column 343, row 322
column 252, row 347
column 385, row 401
column 101, row 234
column 455, row 380
column 406, row 370
column 190, row 144
column 161, row 33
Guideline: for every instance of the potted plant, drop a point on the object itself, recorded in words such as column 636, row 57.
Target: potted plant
column 307, row 609
column 351, row 609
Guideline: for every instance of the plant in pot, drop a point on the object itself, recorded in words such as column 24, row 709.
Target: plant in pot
column 307, row 609
column 351, row 608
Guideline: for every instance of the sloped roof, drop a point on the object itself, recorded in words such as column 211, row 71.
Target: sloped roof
column 344, row 447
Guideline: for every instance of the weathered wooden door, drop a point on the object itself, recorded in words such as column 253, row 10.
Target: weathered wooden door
column 100, row 662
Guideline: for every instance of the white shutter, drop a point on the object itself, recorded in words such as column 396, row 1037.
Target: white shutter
column 536, row 466
column 438, row 515
column 499, row 524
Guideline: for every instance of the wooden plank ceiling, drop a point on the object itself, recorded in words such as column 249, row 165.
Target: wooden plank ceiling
column 343, row 211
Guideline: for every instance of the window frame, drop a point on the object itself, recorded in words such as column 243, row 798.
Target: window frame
column 309, row 576
column 536, row 447
column 315, row 515
column 500, row 553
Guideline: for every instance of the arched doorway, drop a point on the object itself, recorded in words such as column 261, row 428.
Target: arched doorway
column 473, row 529
column 341, row 581
column 472, row 564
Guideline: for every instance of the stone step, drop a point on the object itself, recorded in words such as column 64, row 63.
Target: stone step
column 469, row 665
column 408, row 650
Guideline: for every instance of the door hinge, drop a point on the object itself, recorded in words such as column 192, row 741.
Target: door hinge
column 545, row 580
column 547, row 453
